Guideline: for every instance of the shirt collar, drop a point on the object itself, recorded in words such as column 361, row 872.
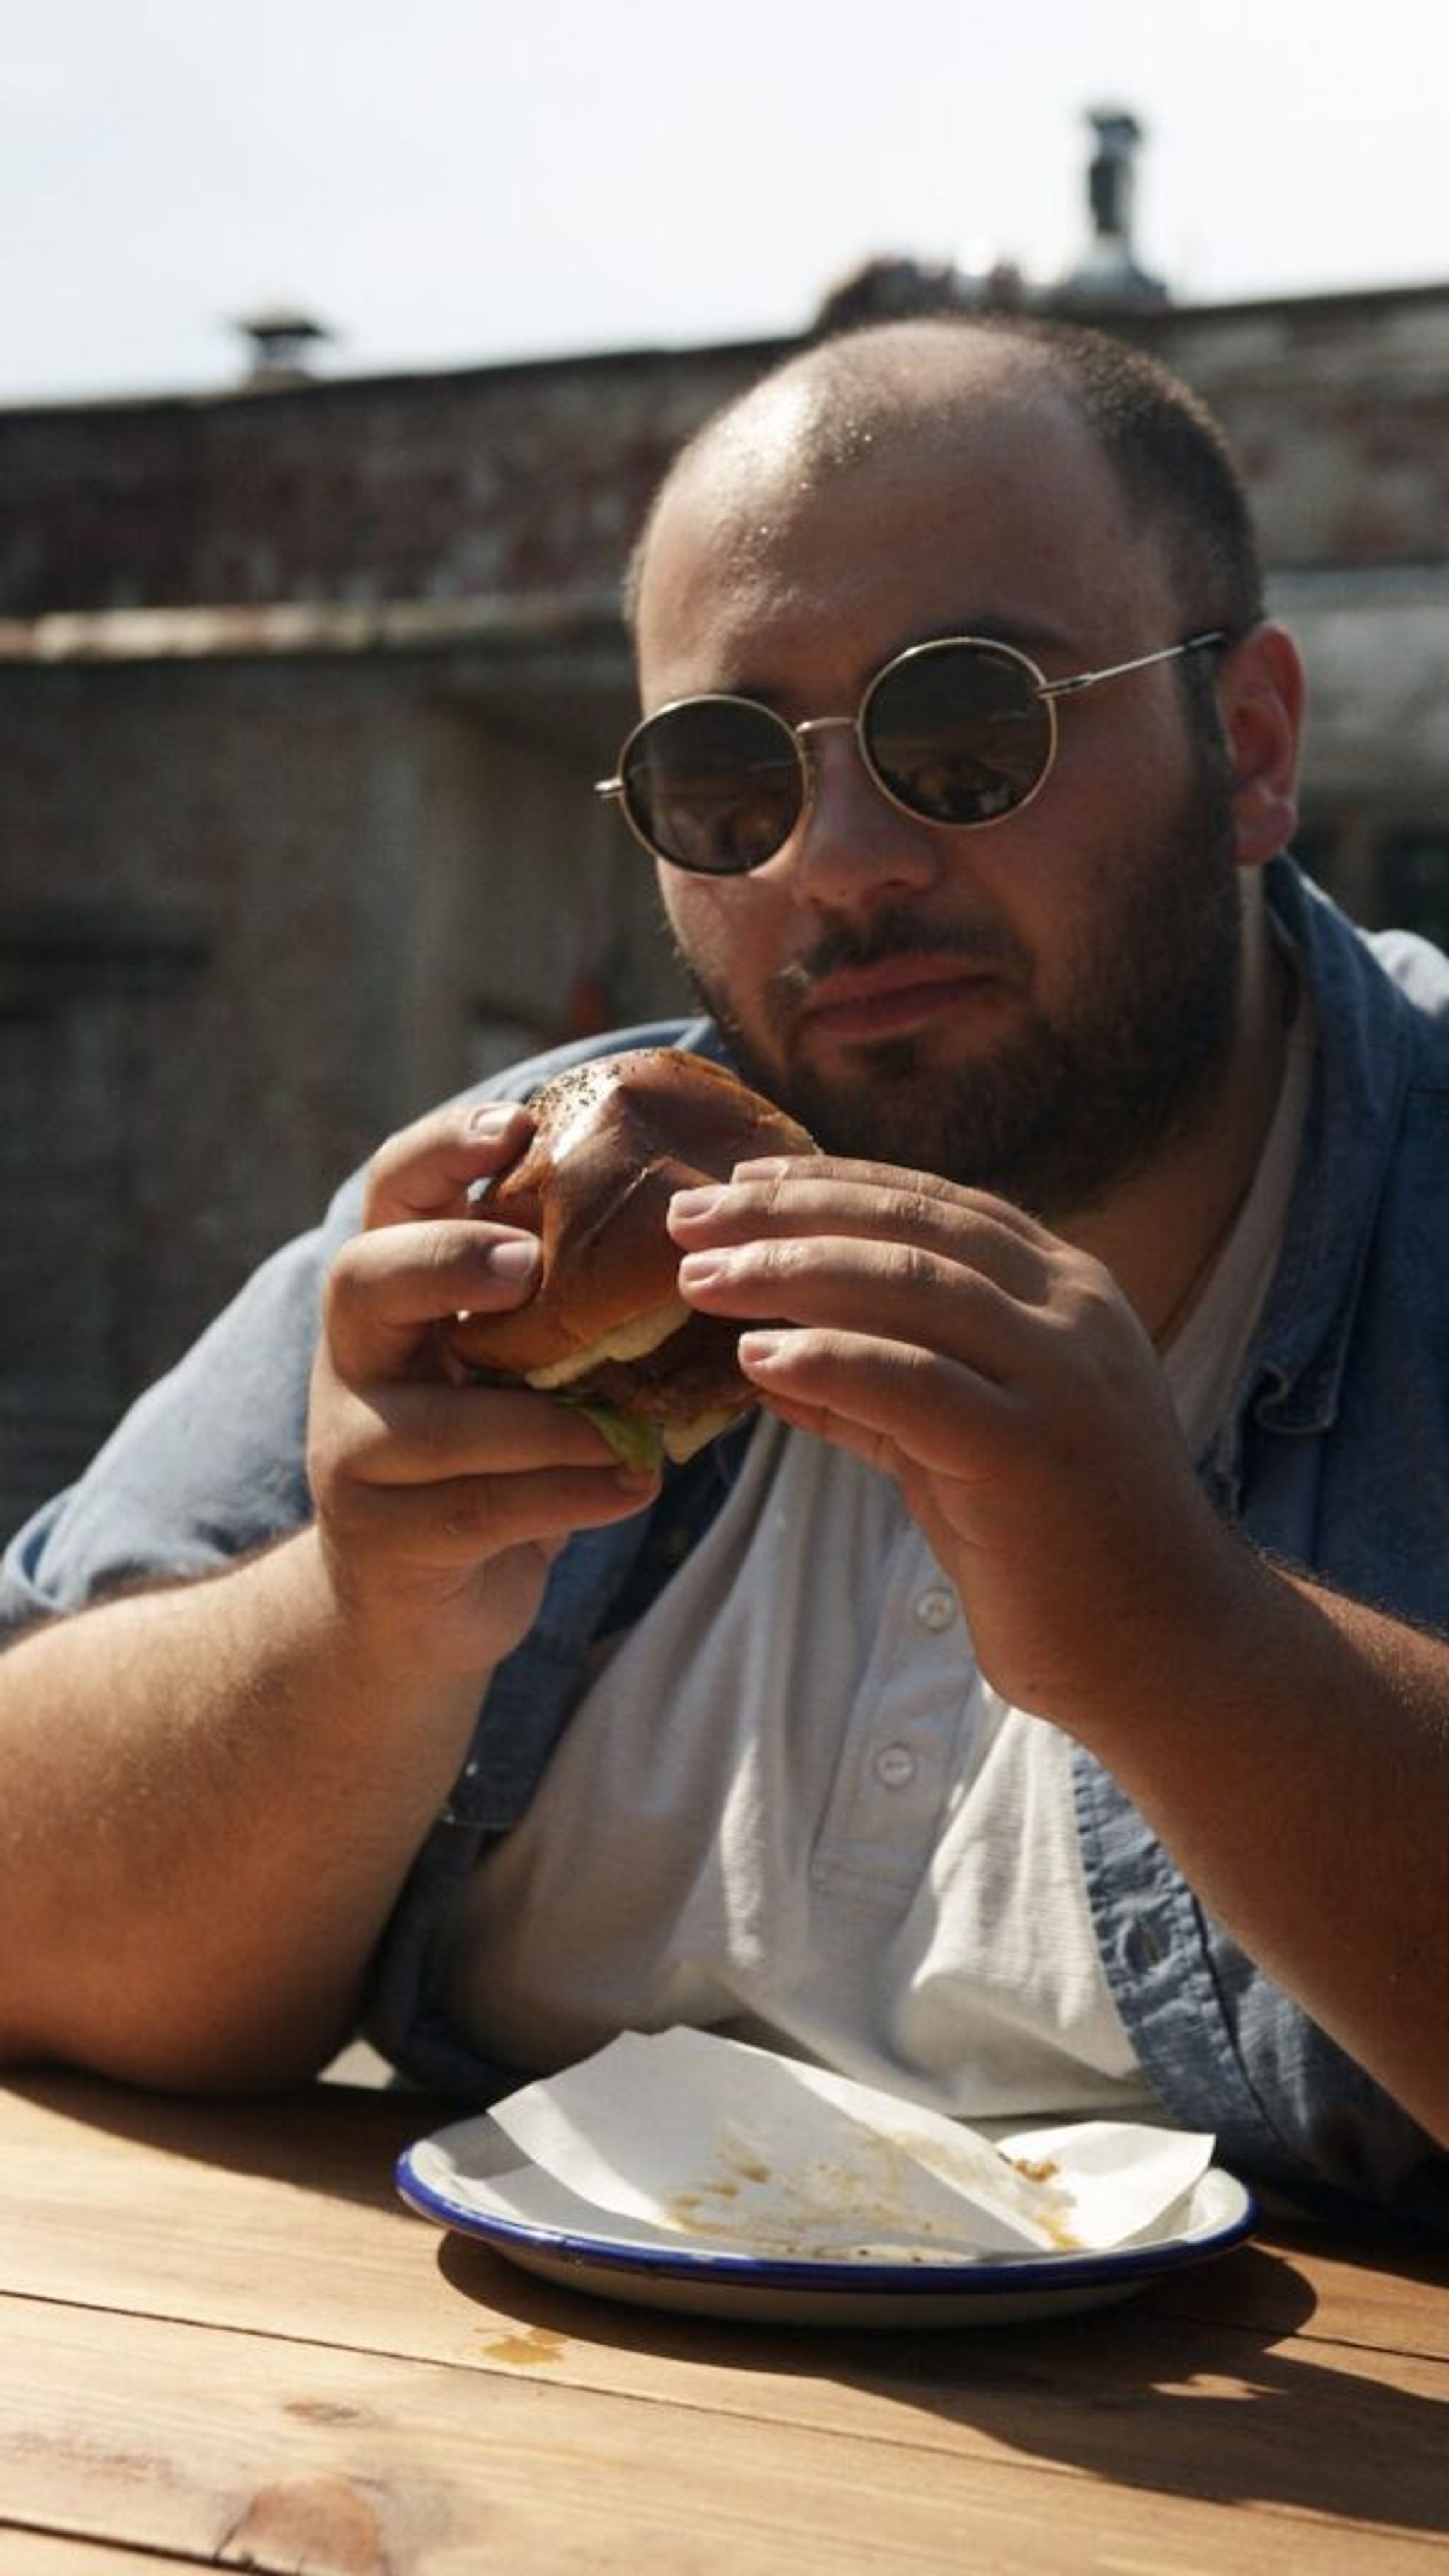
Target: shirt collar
column 1296, row 1363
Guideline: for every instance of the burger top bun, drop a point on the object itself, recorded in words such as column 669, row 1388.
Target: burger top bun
column 614, row 1139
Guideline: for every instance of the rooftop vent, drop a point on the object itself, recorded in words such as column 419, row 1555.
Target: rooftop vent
column 1108, row 274
column 280, row 340
column 1107, row 278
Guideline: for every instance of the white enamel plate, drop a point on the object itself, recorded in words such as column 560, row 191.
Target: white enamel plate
column 473, row 2179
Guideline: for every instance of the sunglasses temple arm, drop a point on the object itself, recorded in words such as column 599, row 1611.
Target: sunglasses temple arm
column 1140, row 662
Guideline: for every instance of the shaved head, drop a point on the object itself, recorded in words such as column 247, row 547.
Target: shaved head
column 836, row 405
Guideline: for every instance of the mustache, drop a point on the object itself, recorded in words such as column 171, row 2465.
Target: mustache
column 983, row 945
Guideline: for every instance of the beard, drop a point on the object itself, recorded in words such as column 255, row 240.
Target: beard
column 1060, row 1113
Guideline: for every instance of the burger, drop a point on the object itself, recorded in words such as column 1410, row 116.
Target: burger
column 607, row 1329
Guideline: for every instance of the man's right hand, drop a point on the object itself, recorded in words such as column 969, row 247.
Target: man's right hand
column 212, row 1791
column 439, row 1503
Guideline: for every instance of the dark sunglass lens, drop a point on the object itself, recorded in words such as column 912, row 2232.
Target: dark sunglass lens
column 713, row 785
column 957, row 733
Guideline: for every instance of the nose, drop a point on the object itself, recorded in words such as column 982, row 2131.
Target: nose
column 852, row 848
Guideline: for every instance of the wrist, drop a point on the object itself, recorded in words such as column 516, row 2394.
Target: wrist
column 1187, row 1653
column 410, row 1629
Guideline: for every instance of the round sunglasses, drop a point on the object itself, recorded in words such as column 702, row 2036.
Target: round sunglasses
column 962, row 731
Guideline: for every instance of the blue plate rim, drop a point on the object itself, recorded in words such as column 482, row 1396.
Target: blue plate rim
column 990, row 2276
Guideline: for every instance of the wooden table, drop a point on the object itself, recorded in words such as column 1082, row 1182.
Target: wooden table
column 225, row 2343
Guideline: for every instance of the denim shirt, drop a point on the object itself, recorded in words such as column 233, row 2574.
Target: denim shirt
column 1335, row 1457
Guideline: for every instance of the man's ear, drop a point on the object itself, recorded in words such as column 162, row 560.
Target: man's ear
column 1261, row 695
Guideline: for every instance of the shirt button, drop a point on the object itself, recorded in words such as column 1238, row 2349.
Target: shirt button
column 895, row 1766
column 936, row 1609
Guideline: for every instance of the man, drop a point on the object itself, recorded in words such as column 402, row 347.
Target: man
column 1041, row 1709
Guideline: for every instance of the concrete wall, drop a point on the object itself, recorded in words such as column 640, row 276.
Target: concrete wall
column 254, row 914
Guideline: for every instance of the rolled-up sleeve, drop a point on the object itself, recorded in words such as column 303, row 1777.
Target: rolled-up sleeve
column 208, row 1464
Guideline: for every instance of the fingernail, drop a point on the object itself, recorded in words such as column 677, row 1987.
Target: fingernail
column 697, row 1269
column 760, row 1350
column 515, row 1258
column 491, row 1117
column 689, row 1204
column 636, row 1480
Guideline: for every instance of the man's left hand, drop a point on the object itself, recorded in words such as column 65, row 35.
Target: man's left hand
column 1002, row 1377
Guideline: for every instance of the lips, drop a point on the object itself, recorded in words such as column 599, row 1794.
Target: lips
column 898, row 995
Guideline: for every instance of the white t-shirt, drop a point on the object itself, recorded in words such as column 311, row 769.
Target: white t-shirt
column 789, row 1807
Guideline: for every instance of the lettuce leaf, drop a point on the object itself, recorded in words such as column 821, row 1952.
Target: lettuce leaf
column 636, row 1444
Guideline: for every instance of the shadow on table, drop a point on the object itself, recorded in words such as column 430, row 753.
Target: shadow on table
column 1139, row 2395
column 262, row 2134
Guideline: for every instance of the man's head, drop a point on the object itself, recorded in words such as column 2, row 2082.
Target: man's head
column 1035, row 1006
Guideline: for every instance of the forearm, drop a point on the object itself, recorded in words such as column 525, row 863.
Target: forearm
column 1293, row 1756
column 209, row 1796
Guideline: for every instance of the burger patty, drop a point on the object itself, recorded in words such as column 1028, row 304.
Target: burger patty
column 692, row 1371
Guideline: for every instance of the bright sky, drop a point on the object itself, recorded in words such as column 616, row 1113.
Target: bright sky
column 456, row 182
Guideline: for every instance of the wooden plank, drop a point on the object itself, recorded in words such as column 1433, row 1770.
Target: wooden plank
column 278, row 2456
column 43, row 2553
column 259, row 2213
column 1384, row 2292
